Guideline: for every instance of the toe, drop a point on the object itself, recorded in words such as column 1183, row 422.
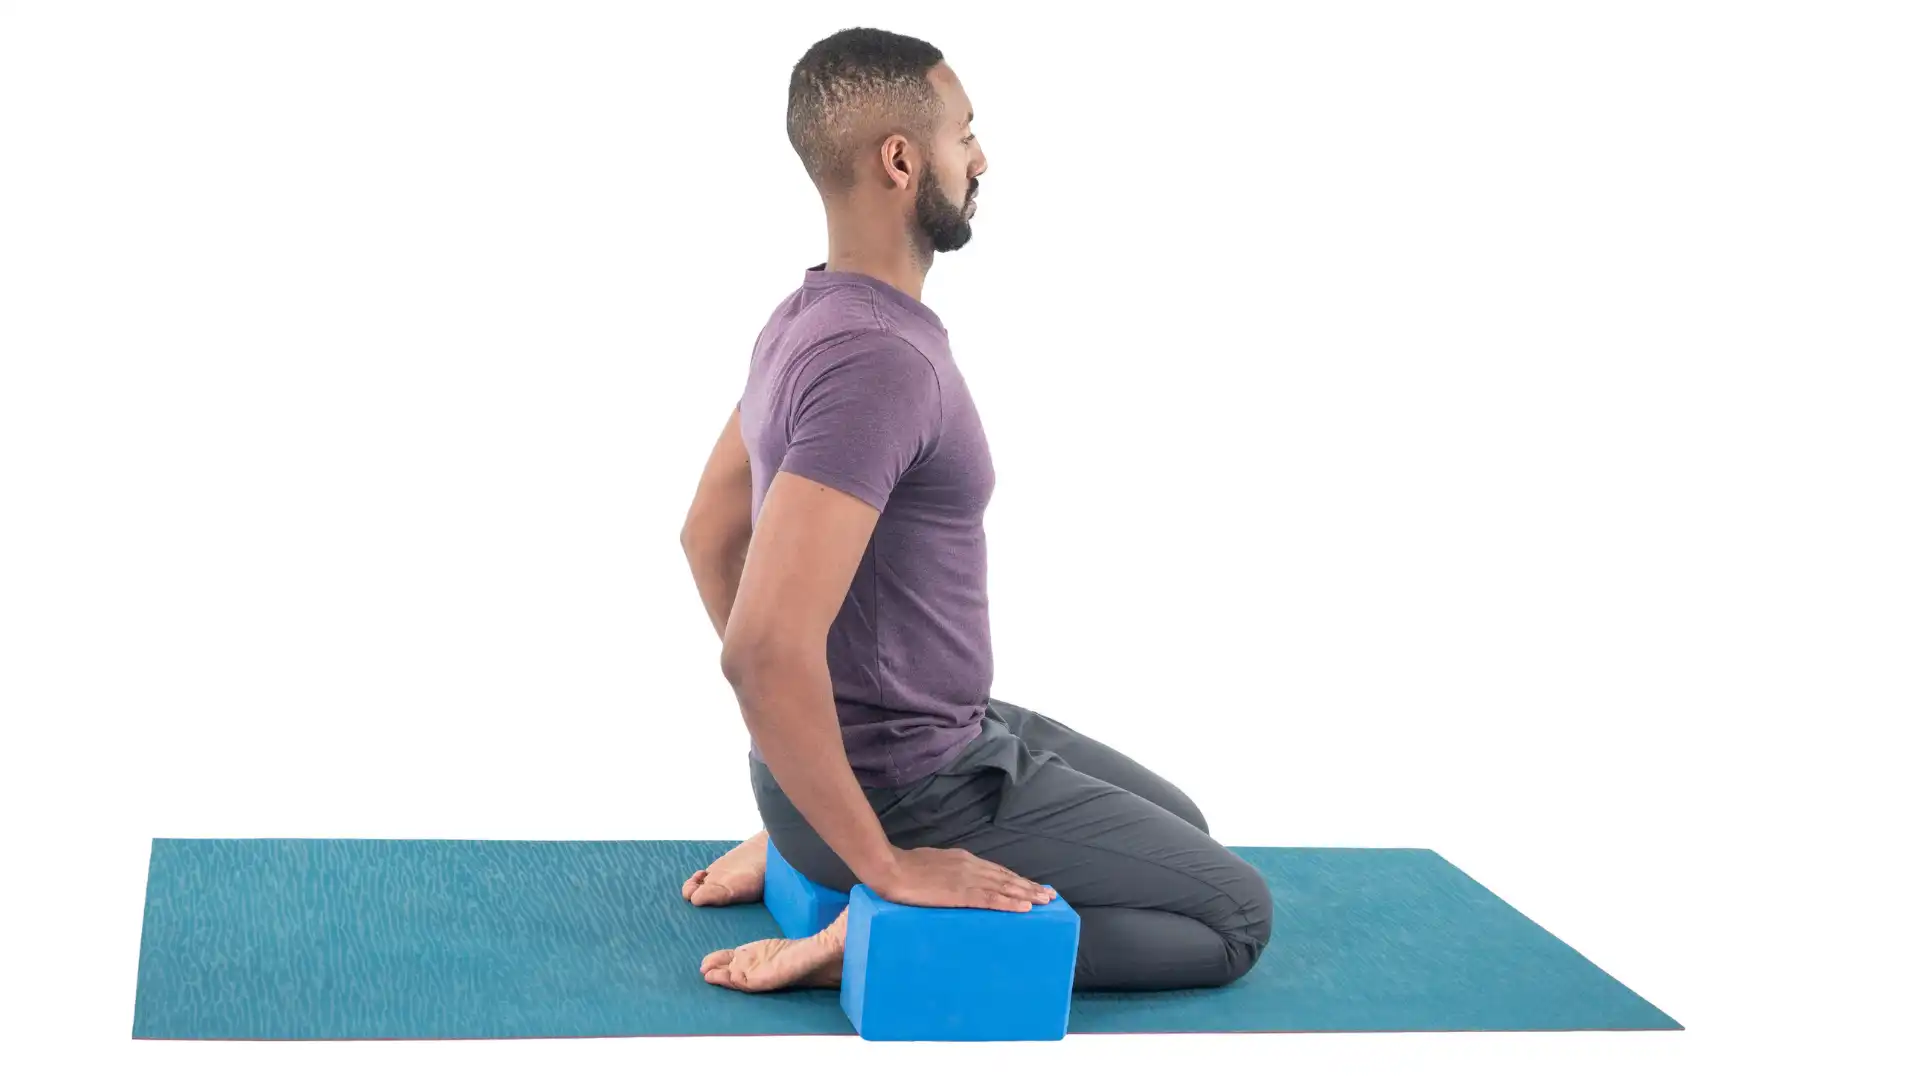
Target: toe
column 692, row 884
column 716, row 961
column 745, row 975
column 711, row 894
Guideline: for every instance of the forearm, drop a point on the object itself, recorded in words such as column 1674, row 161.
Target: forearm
column 716, row 569
column 787, row 701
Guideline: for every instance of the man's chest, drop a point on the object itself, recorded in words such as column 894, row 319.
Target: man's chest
column 956, row 477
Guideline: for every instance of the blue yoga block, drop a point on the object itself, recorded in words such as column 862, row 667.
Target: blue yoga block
column 958, row 974
column 801, row 907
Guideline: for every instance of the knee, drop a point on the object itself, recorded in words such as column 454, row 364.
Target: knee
column 1189, row 811
column 1251, row 928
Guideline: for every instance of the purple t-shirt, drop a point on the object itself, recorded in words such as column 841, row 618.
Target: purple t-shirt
column 853, row 386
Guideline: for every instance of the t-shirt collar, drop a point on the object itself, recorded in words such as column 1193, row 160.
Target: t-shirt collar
column 819, row 276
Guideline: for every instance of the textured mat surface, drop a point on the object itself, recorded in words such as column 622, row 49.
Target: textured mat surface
column 431, row 939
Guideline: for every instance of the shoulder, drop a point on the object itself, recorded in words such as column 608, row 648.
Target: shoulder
column 878, row 356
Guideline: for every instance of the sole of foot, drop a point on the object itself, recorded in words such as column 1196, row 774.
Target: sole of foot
column 780, row 963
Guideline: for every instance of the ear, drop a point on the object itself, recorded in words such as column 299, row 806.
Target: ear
column 897, row 162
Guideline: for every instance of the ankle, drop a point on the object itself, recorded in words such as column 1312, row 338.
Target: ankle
column 835, row 934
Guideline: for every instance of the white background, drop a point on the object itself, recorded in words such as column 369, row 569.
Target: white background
column 1486, row 427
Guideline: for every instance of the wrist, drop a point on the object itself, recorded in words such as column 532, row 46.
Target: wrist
column 881, row 869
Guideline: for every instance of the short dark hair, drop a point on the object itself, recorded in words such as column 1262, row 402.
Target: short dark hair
column 855, row 86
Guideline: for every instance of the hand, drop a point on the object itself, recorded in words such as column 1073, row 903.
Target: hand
column 950, row 877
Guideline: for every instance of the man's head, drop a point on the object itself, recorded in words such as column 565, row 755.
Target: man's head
column 881, row 116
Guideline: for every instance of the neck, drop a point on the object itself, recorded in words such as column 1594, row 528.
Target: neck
column 862, row 241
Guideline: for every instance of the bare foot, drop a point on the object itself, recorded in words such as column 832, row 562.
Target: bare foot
column 734, row 878
column 780, row 963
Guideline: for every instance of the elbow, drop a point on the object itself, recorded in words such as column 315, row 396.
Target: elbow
column 699, row 529
column 706, row 539
column 741, row 661
column 753, row 660
column 702, row 550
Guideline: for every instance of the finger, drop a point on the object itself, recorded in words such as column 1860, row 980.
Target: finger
column 1028, row 883
column 1009, row 875
column 1021, row 891
column 997, row 901
column 1032, row 890
column 1024, row 896
column 991, row 866
column 998, row 876
column 1014, row 885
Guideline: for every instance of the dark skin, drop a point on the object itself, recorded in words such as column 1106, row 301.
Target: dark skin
column 864, row 233
column 772, row 590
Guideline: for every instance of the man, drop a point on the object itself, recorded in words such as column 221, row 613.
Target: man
column 836, row 541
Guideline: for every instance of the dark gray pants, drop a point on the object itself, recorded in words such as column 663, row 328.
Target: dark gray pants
column 1162, row 905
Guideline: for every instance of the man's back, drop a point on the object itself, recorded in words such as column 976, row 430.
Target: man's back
column 853, row 386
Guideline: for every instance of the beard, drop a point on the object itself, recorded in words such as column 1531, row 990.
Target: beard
column 944, row 225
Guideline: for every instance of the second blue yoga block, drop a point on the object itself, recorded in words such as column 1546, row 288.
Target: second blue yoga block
column 958, row 974
column 801, row 907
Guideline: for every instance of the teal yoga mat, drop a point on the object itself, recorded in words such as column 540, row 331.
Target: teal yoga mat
column 456, row 939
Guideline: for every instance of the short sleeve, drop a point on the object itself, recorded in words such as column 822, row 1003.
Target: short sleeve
column 869, row 410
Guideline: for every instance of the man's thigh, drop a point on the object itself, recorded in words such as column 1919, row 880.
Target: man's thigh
column 1098, row 843
column 1096, row 759
column 1103, row 846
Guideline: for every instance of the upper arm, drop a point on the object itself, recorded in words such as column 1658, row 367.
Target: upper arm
column 805, row 548
column 723, row 502
column 870, row 410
